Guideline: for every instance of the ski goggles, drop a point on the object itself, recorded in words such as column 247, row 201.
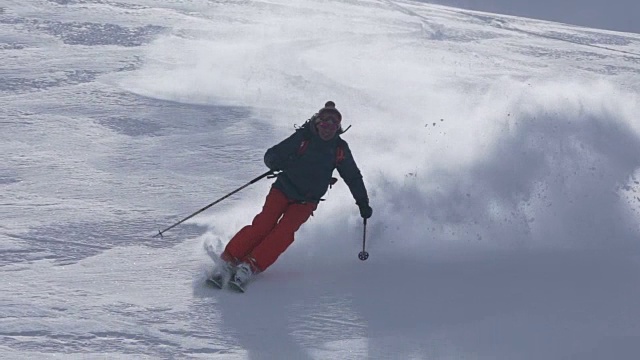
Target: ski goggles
column 328, row 122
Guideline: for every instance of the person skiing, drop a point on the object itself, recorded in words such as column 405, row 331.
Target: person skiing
column 305, row 162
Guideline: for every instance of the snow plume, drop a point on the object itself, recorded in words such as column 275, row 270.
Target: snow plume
column 529, row 166
column 283, row 61
column 550, row 164
column 249, row 56
column 454, row 157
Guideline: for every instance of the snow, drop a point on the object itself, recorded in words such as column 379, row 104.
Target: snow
column 501, row 155
column 617, row 15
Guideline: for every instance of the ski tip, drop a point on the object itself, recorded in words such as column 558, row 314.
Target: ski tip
column 236, row 287
column 214, row 283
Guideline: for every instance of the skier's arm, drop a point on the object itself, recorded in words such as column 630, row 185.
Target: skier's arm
column 279, row 155
column 351, row 175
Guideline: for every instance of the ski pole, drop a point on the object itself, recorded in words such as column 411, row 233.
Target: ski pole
column 270, row 172
column 363, row 255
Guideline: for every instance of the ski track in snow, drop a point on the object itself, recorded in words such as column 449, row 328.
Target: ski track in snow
column 501, row 155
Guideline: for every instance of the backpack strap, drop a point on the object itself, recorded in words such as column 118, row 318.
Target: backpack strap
column 303, row 147
column 339, row 154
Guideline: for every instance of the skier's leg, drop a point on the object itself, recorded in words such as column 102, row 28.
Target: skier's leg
column 251, row 235
column 282, row 235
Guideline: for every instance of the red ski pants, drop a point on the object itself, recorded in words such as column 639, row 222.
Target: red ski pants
column 270, row 233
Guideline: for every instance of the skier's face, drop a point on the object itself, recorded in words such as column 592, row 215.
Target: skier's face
column 327, row 126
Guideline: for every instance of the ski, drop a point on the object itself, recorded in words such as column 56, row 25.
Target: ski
column 220, row 282
column 236, row 286
column 232, row 285
column 216, row 282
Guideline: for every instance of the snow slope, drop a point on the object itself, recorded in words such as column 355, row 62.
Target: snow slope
column 619, row 15
column 501, row 155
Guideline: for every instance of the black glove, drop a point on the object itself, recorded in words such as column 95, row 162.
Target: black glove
column 365, row 210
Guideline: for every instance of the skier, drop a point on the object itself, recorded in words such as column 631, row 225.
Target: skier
column 306, row 161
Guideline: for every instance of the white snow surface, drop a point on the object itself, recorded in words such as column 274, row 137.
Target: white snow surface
column 501, row 155
column 620, row 15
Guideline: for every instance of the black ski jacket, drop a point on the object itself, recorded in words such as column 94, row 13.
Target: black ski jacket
column 307, row 170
